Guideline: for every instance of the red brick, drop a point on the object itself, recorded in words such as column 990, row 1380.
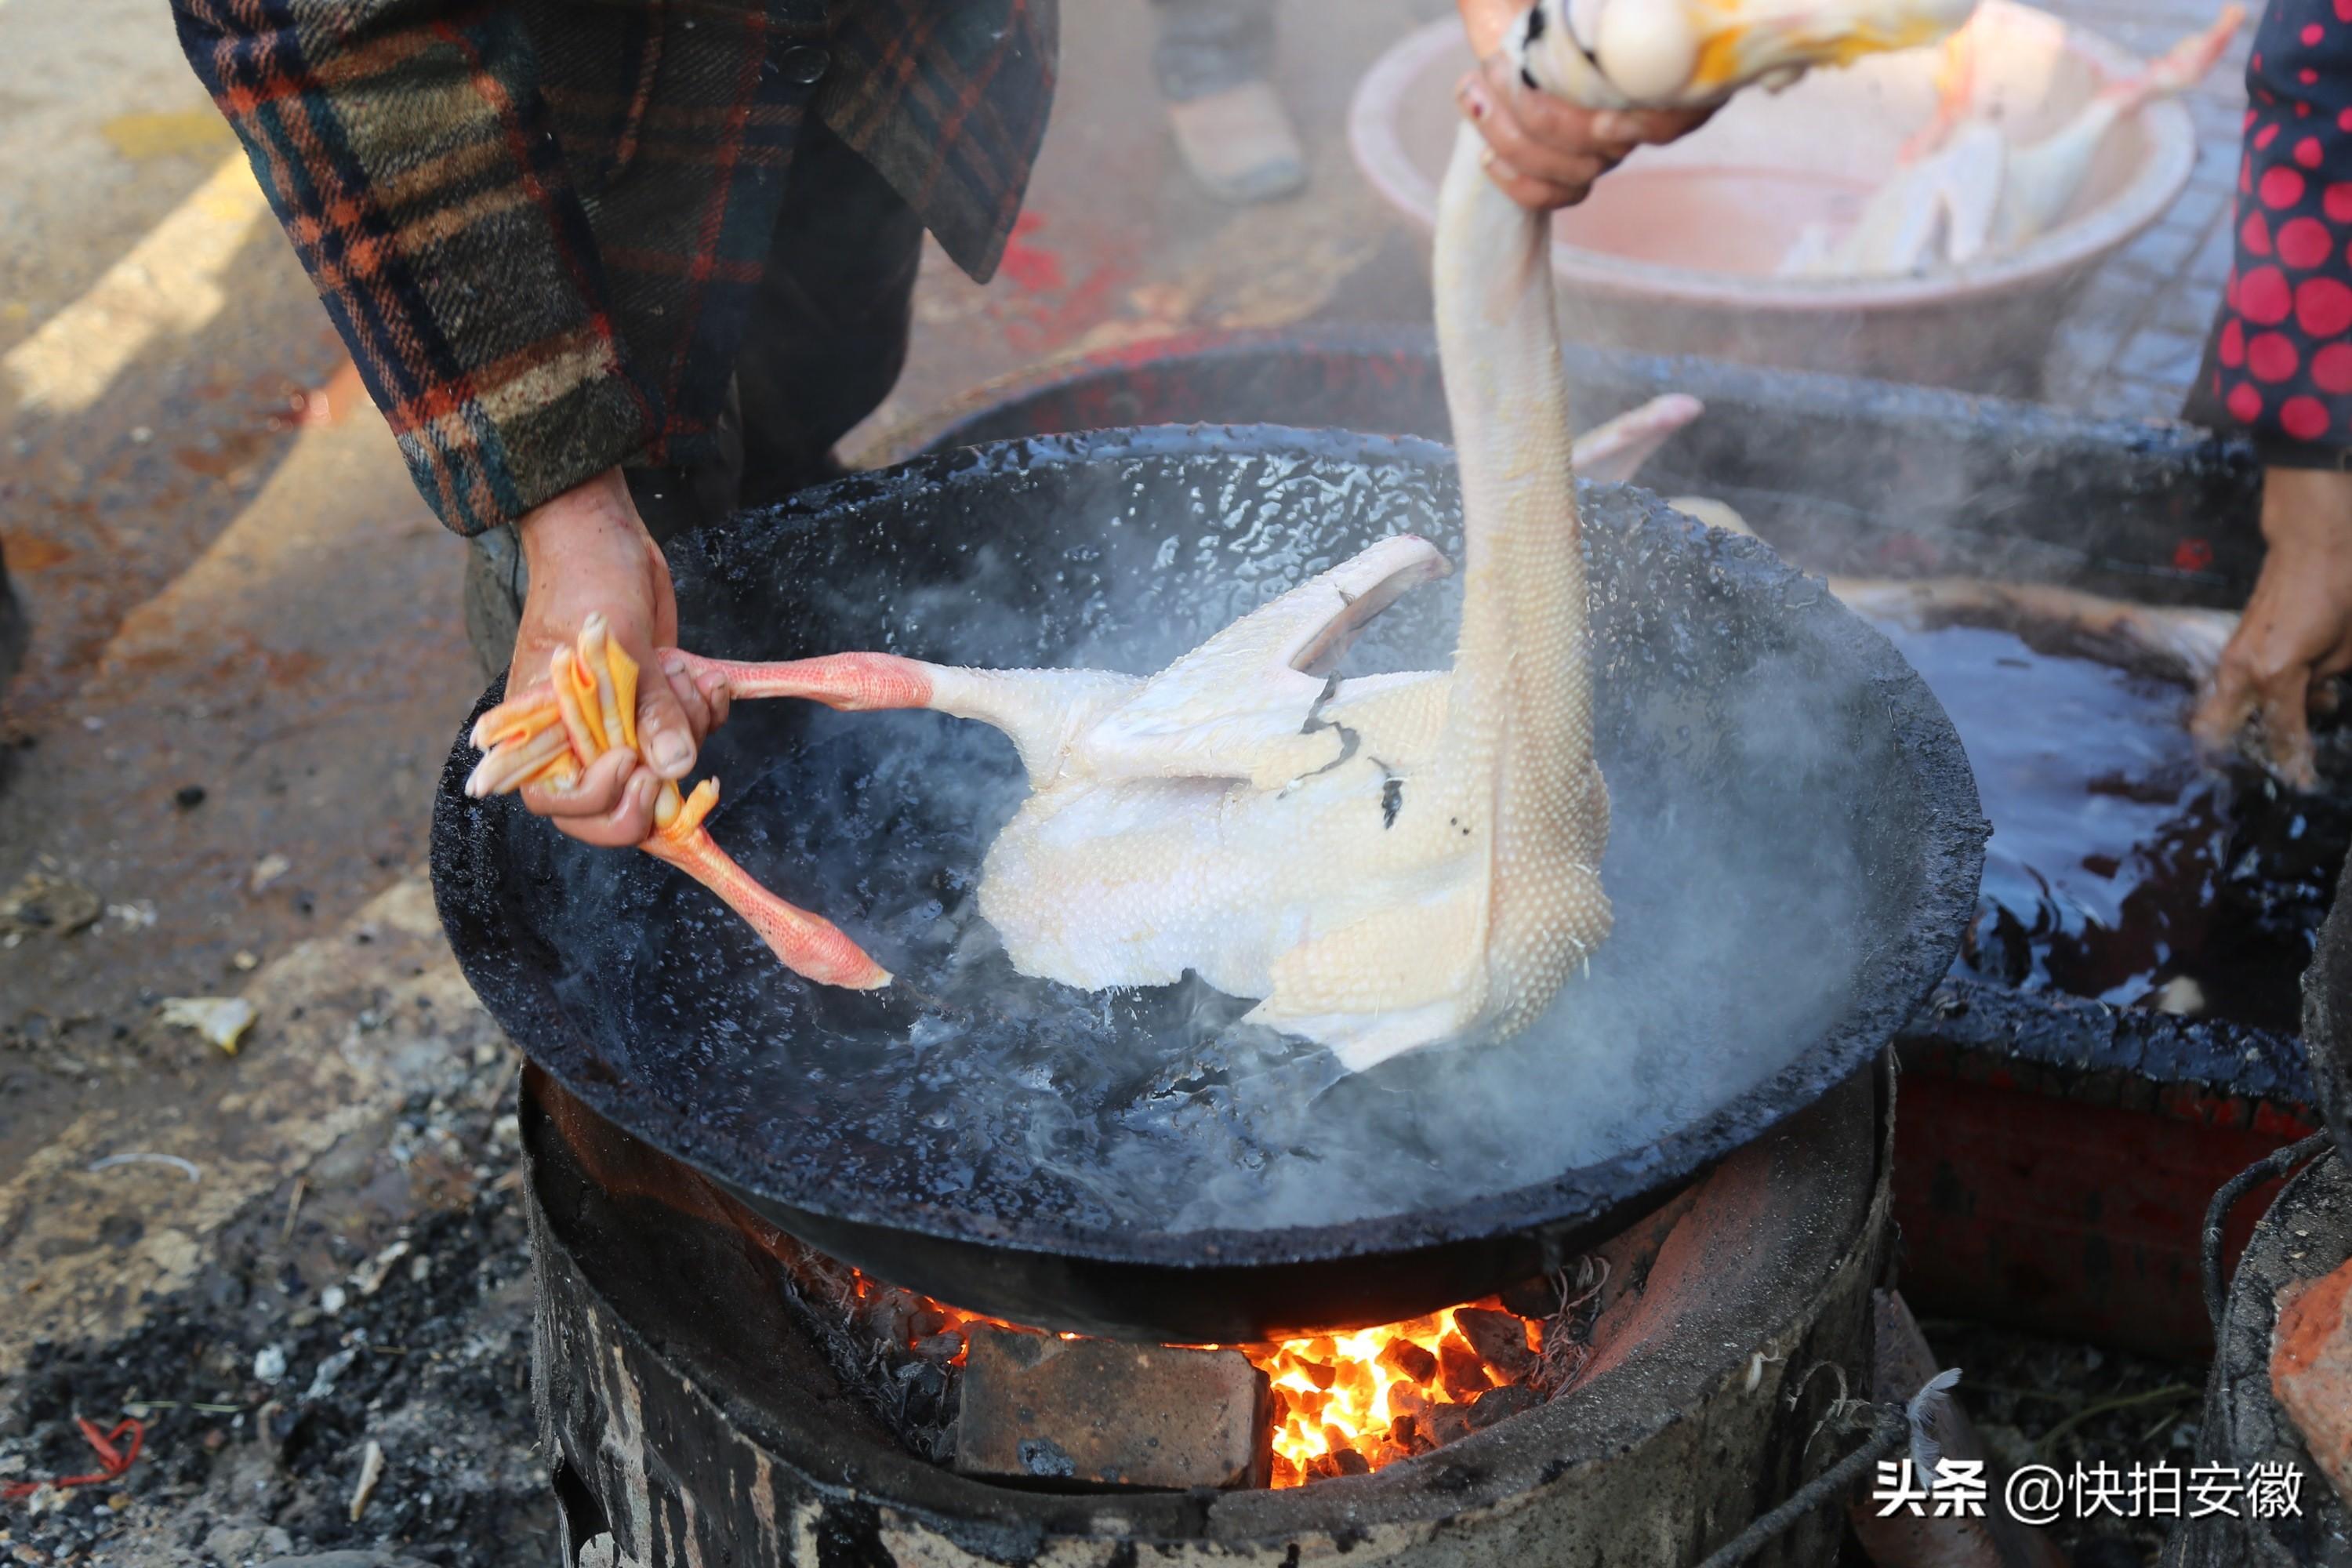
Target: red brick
column 1105, row 1412
column 2311, row 1369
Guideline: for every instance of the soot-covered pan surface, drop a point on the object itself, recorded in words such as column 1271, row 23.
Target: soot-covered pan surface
column 1795, row 850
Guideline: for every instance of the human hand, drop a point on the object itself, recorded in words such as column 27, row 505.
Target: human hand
column 2297, row 628
column 1488, row 22
column 1546, row 153
column 586, row 552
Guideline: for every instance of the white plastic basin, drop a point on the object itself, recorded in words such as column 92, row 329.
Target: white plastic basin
column 1674, row 252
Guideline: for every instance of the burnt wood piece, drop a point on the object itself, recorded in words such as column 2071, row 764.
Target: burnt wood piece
column 1500, row 1339
column 1411, row 1360
column 1460, row 1371
column 1103, row 1412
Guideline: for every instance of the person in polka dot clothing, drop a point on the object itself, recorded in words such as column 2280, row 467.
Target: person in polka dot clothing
column 2279, row 364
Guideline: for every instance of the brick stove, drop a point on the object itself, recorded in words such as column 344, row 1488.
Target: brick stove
column 719, row 1385
column 712, row 1390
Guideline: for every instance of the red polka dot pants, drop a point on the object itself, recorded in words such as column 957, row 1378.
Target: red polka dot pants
column 2280, row 359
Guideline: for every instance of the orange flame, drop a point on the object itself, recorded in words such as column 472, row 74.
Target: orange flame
column 1368, row 1393
column 1367, row 1396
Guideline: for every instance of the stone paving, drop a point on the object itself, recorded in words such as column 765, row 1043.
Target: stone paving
column 2130, row 346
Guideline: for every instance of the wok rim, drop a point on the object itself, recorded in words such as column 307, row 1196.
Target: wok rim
column 1902, row 966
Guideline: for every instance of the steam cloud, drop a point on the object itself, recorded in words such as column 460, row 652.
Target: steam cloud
column 1739, row 798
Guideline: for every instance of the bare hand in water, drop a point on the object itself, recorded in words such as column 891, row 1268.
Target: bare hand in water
column 1543, row 151
column 586, row 552
column 2297, row 628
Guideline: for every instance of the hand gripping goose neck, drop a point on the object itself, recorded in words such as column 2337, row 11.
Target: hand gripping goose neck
column 1687, row 54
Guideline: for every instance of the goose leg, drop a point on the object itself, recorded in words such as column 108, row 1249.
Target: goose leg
column 1612, row 454
column 588, row 708
column 845, row 682
column 805, row 943
column 1042, row 711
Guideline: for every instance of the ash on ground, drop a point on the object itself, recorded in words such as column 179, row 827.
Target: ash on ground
column 394, row 1311
column 387, row 1303
column 2062, row 1403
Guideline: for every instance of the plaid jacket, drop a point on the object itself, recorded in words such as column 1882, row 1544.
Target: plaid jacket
column 538, row 223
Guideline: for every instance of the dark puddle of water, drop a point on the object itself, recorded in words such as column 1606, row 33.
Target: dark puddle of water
column 2123, row 866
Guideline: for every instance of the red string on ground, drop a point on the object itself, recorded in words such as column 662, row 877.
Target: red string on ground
column 113, row 1460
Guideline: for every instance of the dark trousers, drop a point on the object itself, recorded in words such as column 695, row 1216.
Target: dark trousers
column 824, row 342
column 827, row 333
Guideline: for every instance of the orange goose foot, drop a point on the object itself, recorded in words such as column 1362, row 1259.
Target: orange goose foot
column 550, row 733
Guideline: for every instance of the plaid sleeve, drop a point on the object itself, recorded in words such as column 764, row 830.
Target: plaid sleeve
column 407, row 150
column 950, row 102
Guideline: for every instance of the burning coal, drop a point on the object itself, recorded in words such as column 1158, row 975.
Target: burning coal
column 1344, row 1403
column 1351, row 1403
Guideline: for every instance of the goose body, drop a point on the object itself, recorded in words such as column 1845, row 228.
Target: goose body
column 1389, row 861
column 1966, row 192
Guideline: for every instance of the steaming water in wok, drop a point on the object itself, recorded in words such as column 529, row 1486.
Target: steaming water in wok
column 1781, row 790
column 2119, row 860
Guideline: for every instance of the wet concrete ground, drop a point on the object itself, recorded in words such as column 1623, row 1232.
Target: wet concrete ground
column 247, row 661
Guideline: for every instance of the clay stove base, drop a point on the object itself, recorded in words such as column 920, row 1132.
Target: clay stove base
column 2306, row 1232
column 690, row 1423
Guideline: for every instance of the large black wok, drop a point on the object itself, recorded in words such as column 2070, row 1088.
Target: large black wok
column 1795, row 851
